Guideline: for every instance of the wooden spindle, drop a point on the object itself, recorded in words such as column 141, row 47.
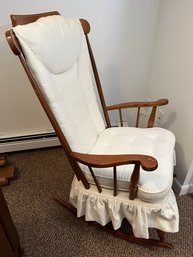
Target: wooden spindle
column 138, row 116
column 115, row 180
column 95, row 180
column 152, row 117
column 133, row 188
column 121, row 118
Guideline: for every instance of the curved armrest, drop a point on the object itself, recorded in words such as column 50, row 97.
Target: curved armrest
column 138, row 105
column 159, row 102
column 148, row 163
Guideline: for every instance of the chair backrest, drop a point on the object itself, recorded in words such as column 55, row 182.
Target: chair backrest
column 57, row 57
column 56, row 52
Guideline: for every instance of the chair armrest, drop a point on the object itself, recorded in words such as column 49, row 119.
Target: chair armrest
column 148, row 163
column 138, row 105
column 159, row 102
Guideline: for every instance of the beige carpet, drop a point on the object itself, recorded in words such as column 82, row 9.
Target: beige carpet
column 48, row 230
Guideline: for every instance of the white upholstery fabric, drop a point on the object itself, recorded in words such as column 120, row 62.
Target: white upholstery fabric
column 157, row 142
column 104, row 207
column 56, row 51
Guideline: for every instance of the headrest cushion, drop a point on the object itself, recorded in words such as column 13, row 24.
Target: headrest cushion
column 54, row 40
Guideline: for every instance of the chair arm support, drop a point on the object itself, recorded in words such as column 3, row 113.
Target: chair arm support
column 159, row 102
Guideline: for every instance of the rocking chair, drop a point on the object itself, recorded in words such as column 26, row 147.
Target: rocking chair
column 120, row 172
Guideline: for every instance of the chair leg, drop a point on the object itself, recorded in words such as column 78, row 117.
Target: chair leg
column 161, row 235
column 120, row 234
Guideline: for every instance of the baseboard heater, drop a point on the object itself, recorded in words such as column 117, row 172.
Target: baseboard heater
column 27, row 142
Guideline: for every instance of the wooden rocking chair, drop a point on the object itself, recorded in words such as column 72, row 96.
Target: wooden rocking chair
column 120, row 173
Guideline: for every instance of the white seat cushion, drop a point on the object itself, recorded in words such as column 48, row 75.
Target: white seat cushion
column 157, row 142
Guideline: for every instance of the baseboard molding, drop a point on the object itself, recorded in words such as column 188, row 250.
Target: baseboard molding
column 28, row 144
column 182, row 189
column 186, row 189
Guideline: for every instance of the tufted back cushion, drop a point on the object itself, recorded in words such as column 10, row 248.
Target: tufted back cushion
column 56, row 51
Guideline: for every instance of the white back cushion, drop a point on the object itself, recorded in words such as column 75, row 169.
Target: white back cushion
column 56, row 51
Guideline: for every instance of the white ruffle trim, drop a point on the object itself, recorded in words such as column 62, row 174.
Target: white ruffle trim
column 104, row 207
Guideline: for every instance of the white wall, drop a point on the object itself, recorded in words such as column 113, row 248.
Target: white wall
column 122, row 35
column 171, row 75
column 20, row 111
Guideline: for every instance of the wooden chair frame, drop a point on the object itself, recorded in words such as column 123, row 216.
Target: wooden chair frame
column 148, row 163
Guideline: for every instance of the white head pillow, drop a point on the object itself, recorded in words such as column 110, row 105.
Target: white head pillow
column 61, row 32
